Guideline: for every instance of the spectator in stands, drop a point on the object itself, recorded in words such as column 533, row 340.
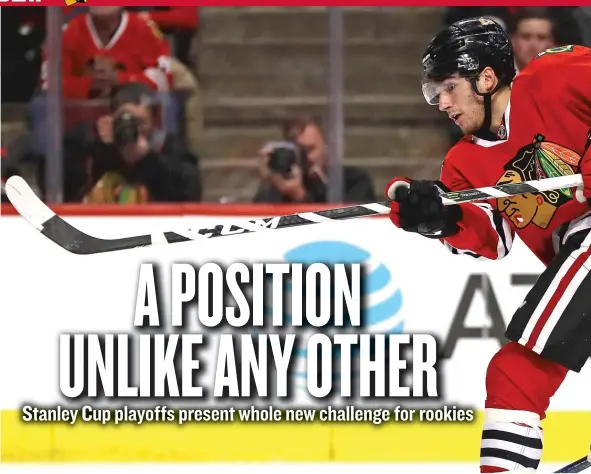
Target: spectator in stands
column 532, row 31
column 109, row 46
column 308, row 182
column 178, row 23
column 125, row 159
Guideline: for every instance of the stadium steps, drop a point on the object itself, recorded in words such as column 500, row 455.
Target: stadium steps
column 240, row 84
column 311, row 22
column 368, row 109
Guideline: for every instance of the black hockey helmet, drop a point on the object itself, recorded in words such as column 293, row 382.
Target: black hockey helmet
column 465, row 48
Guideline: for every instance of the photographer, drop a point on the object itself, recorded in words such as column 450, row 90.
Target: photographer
column 128, row 160
column 295, row 170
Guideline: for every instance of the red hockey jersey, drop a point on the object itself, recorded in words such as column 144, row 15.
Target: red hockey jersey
column 137, row 49
column 546, row 132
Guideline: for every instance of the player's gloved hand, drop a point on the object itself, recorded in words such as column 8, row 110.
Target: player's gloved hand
column 416, row 206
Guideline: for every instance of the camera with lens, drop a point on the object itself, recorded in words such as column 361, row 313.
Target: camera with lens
column 126, row 130
column 284, row 155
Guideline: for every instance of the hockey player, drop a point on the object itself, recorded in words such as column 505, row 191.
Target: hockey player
column 516, row 128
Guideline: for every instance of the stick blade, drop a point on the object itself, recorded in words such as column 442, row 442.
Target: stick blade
column 52, row 226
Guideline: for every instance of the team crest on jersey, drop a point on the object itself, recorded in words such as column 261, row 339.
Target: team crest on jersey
column 538, row 160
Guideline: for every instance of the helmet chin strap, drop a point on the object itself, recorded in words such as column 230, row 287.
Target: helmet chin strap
column 484, row 132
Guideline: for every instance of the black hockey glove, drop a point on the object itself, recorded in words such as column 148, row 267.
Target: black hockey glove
column 417, row 207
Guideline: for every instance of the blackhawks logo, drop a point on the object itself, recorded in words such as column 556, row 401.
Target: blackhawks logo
column 538, row 160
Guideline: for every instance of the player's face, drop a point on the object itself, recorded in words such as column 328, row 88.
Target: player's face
column 531, row 38
column 459, row 101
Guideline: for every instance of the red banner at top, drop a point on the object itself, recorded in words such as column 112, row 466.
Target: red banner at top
column 303, row 3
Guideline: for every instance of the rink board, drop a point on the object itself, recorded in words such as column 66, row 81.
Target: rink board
column 52, row 291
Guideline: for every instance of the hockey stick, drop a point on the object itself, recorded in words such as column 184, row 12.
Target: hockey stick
column 68, row 237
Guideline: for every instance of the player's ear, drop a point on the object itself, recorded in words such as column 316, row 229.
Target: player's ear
column 487, row 80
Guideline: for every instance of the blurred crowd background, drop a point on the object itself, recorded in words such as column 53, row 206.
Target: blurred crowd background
column 105, row 105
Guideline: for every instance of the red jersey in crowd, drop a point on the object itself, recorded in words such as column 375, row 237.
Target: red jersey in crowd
column 546, row 133
column 137, row 49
